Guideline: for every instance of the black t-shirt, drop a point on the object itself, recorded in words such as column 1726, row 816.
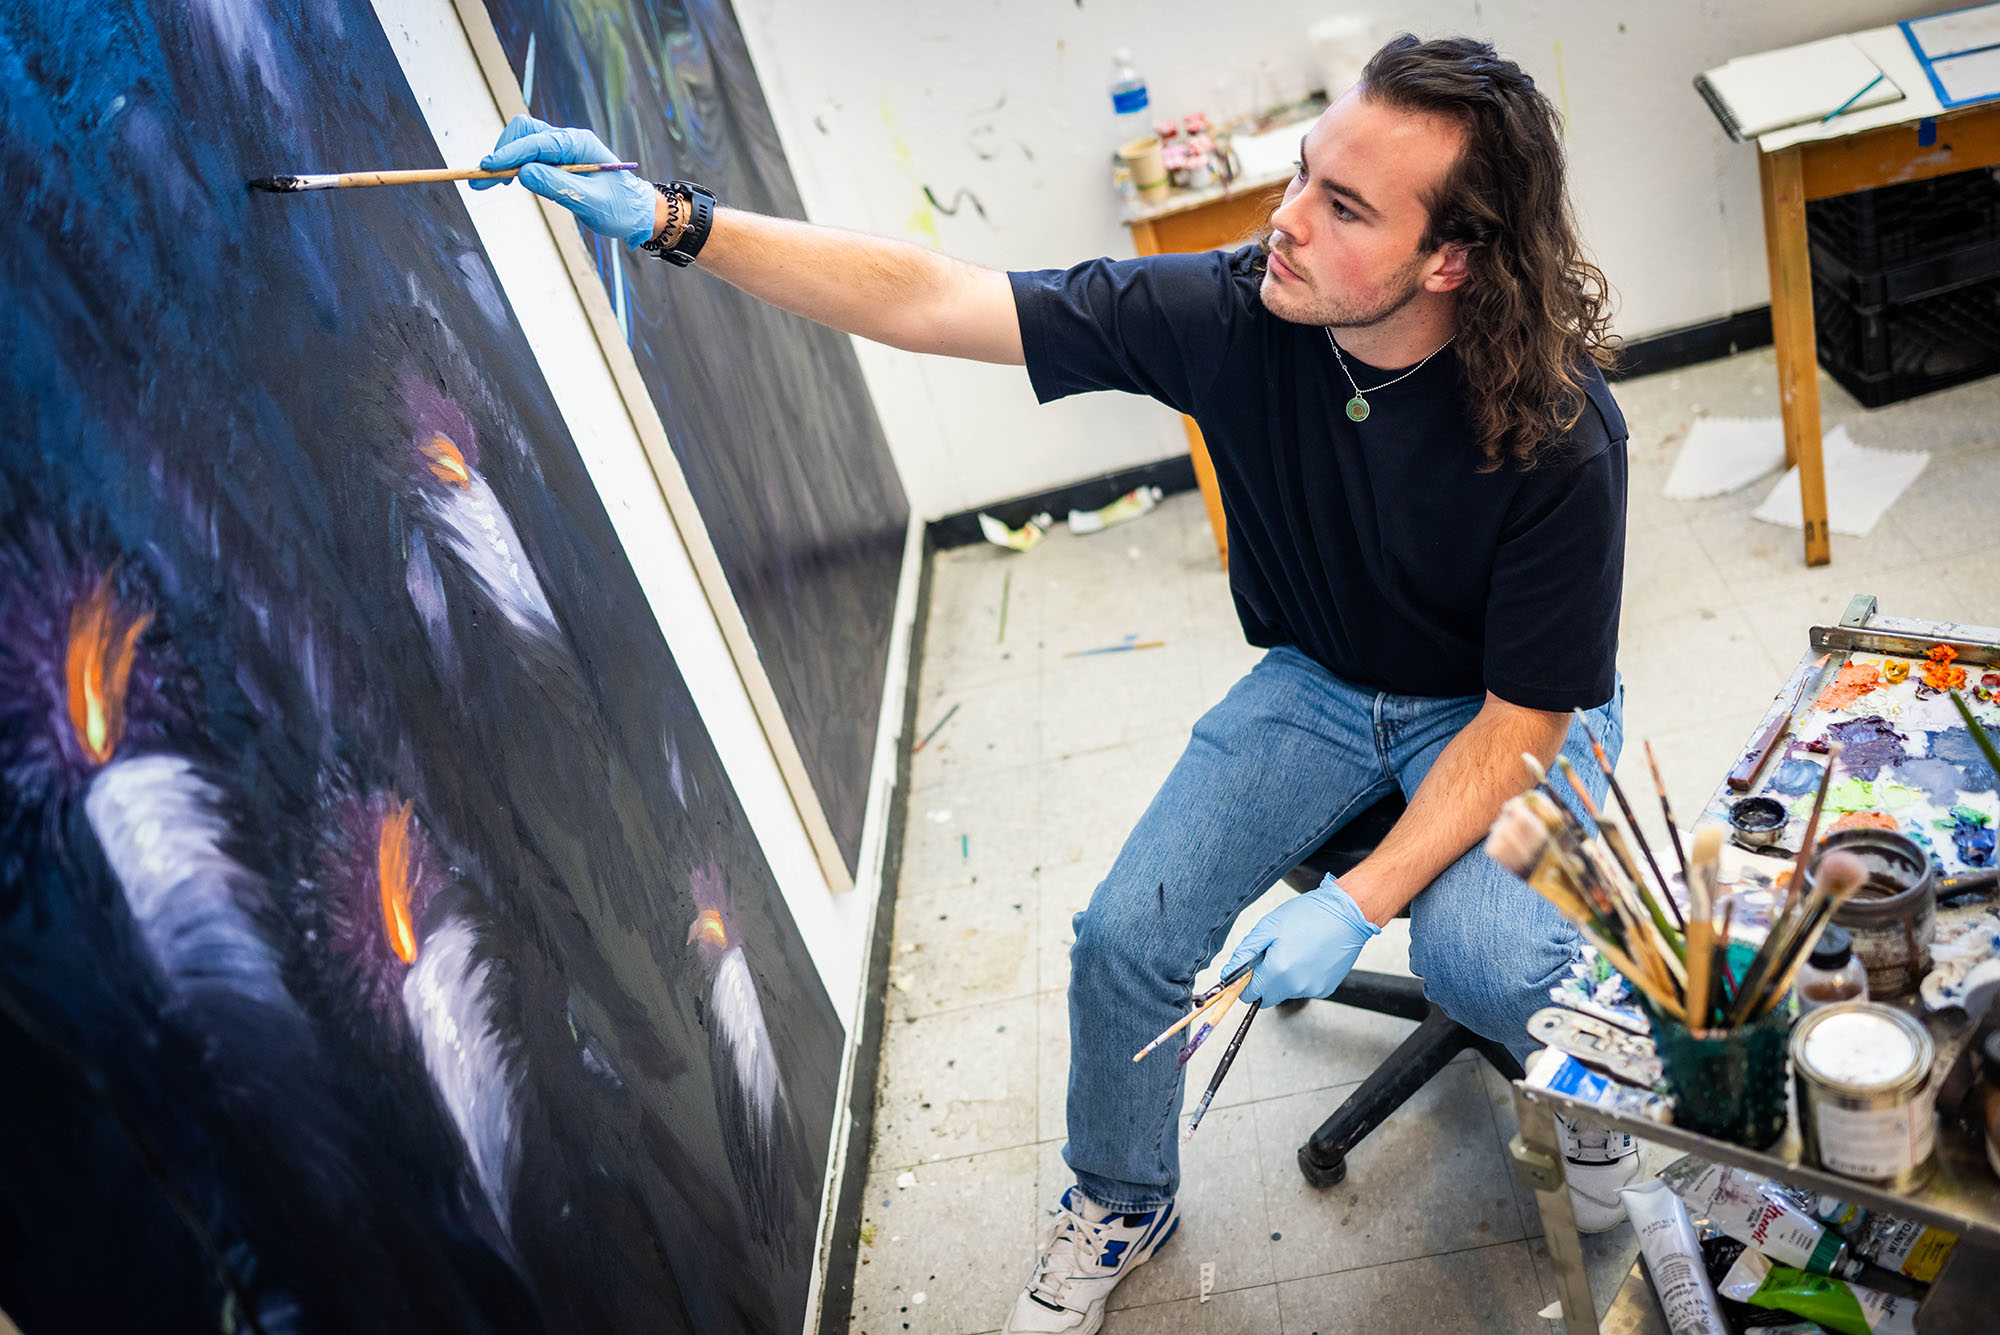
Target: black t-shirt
column 1378, row 548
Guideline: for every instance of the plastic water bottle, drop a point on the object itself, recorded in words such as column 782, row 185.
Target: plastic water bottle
column 1129, row 107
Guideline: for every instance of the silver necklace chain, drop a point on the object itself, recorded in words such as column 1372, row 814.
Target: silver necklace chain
column 1357, row 407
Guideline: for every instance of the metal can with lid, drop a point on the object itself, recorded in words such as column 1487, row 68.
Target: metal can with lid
column 1866, row 1106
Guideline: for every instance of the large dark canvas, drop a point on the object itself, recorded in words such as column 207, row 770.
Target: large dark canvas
column 378, row 926
column 767, row 413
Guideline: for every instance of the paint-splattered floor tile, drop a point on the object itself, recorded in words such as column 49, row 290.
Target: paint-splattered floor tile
column 955, row 1084
column 1483, row 1291
column 965, row 947
column 947, row 1245
column 1432, row 1178
column 977, row 730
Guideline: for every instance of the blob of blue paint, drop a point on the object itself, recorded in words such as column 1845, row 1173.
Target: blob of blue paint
column 1795, row 777
column 1940, row 779
column 1972, row 831
column 1957, row 746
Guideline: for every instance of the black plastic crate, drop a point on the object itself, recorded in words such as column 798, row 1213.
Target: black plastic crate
column 1871, row 230
column 1885, row 354
column 1907, row 282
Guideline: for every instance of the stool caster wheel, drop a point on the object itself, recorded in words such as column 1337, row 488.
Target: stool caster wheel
column 1292, row 1007
column 1319, row 1174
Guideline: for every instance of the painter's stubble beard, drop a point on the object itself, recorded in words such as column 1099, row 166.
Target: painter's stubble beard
column 1335, row 312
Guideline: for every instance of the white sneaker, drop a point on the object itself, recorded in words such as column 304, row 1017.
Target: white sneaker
column 1085, row 1251
column 1598, row 1162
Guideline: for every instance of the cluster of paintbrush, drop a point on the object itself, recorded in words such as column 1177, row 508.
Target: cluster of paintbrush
column 1681, row 965
column 1209, row 1008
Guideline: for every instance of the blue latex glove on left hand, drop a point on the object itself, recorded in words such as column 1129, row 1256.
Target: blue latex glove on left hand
column 1308, row 946
column 614, row 204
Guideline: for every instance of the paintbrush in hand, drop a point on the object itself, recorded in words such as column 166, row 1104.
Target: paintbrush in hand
column 1212, row 1016
column 1222, row 1069
column 292, row 185
column 1202, row 1003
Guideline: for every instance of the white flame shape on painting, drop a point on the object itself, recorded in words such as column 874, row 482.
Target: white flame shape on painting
column 476, row 526
column 739, row 1022
column 445, row 998
column 158, row 824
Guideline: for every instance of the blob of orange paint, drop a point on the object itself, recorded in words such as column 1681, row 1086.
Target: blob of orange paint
column 98, row 666
column 1939, row 673
column 392, row 870
column 709, row 928
column 1853, row 681
column 1895, row 670
column 447, row 464
column 1866, row 820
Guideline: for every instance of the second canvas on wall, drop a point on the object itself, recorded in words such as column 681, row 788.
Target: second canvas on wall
column 767, row 414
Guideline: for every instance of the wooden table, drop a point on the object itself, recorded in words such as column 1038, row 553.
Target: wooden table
column 1910, row 140
column 1193, row 220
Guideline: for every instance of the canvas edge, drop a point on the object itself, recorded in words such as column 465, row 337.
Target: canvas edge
column 836, row 1253
column 652, row 432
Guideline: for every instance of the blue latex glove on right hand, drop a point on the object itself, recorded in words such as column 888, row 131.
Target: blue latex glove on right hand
column 1309, row 945
column 614, row 204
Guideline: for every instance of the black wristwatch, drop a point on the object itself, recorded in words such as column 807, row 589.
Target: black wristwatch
column 701, row 215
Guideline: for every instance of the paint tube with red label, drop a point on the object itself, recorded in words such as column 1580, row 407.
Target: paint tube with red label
column 1756, row 1213
column 1841, row 1307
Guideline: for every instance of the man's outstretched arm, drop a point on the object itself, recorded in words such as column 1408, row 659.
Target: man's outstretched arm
column 893, row 292
column 890, row 291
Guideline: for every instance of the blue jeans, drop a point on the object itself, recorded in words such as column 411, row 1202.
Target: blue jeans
column 1288, row 757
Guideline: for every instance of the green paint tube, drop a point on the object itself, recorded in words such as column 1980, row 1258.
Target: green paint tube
column 1757, row 1213
column 1847, row 1309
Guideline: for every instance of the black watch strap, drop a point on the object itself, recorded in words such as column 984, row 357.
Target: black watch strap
column 701, row 216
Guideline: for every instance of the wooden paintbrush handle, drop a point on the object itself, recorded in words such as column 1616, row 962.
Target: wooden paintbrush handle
column 427, row 175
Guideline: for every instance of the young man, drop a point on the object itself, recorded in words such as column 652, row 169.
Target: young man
column 1424, row 475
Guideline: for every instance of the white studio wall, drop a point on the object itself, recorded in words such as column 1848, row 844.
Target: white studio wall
column 1001, row 111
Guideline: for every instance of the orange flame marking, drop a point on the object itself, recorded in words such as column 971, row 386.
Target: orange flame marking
column 447, row 463
column 392, row 868
column 709, row 928
column 102, row 638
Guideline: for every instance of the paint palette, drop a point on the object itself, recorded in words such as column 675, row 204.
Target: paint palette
column 1908, row 761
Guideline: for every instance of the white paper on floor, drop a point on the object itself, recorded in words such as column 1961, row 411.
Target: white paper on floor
column 1861, row 484
column 1722, row 454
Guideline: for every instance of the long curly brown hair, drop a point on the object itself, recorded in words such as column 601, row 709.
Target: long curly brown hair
column 1533, row 309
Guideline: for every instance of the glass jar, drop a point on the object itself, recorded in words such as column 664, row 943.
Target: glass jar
column 1832, row 973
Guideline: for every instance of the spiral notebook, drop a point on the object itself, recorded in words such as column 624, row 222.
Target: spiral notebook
column 1753, row 95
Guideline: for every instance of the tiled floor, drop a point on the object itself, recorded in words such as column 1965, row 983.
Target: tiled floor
column 1020, row 802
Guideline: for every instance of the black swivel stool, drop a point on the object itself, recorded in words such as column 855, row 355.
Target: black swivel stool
column 1429, row 1048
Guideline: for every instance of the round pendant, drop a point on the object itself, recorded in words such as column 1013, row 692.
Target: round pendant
column 1357, row 409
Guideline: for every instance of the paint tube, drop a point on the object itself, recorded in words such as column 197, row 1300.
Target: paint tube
column 1673, row 1259
column 1560, row 1074
column 1023, row 539
column 1847, row 1309
column 1129, row 506
column 1757, row 1213
column 1902, row 1245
